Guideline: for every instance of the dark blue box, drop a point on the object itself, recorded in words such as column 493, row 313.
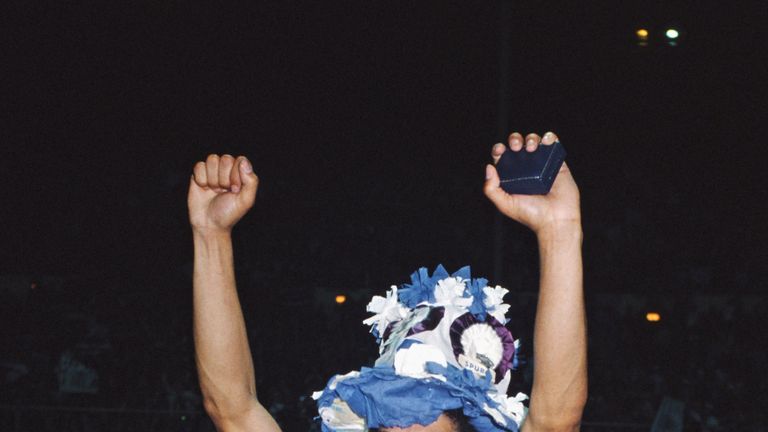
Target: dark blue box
column 530, row 173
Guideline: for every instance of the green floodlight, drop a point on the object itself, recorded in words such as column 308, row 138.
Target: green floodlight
column 672, row 34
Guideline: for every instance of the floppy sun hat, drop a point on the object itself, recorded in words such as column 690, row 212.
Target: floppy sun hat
column 442, row 346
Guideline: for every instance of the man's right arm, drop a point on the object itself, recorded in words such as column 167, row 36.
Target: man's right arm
column 221, row 191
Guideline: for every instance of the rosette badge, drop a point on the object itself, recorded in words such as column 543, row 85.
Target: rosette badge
column 443, row 345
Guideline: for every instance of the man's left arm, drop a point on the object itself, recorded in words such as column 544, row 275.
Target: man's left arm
column 560, row 343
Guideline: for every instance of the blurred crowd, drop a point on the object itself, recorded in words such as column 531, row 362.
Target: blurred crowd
column 110, row 356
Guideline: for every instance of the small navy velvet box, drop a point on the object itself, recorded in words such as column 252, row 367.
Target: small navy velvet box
column 530, row 173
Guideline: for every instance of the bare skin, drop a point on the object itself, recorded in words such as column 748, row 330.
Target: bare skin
column 442, row 424
column 560, row 333
column 223, row 189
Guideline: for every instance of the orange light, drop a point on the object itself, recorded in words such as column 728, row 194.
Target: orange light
column 652, row 317
column 642, row 34
column 341, row 298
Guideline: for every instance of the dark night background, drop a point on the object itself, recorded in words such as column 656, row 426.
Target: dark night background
column 369, row 124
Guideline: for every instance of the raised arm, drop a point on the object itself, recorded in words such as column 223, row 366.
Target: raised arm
column 560, row 349
column 221, row 192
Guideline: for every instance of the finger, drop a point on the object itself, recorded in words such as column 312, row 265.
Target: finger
column 515, row 141
column 199, row 174
column 492, row 188
column 250, row 183
column 532, row 142
column 226, row 162
column 549, row 138
column 496, row 152
column 235, row 183
column 212, row 171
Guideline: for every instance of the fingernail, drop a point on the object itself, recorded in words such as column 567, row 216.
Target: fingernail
column 488, row 172
column 247, row 167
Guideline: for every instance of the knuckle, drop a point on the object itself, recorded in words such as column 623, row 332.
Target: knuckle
column 548, row 138
column 199, row 172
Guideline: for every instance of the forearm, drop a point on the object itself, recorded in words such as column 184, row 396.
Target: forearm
column 224, row 363
column 560, row 341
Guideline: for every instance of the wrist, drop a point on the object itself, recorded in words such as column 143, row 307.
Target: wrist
column 211, row 234
column 561, row 230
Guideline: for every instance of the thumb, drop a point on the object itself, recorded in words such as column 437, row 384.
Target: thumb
column 492, row 187
column 247, row 194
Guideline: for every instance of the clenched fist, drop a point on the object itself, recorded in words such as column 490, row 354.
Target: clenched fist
column 221, row 191
column 538, row 212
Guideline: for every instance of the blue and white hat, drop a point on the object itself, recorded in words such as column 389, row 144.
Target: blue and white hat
column 442, row 346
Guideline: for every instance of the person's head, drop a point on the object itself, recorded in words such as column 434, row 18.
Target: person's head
column 445, row 362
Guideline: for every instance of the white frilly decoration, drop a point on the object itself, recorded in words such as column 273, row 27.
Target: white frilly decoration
column 508, row 407
column 494, row 302
column 450, row 291
column 387, row 310
column 480, row 341
column 513, row 406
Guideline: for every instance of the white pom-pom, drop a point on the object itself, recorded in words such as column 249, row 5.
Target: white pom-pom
column 450, row 291
column 387, row 310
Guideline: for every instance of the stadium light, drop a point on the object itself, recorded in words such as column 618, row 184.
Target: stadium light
column 652, row 317
column 341, row 298
column 641, row 36
column 672, row 34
